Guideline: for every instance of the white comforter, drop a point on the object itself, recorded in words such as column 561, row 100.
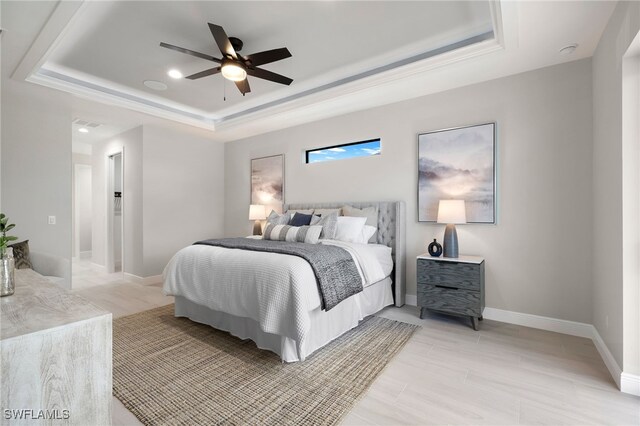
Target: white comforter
column 276, row 290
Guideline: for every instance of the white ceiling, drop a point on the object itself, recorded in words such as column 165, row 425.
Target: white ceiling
column 104, row 50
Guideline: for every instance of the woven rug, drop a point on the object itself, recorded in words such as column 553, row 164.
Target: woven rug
column 170, row 371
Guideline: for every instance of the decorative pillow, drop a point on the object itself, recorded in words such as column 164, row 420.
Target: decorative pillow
column 329, row 225
column 371, row 213
column 278, row 219
column 299, row 234
column 324, row 212
column 300, row 219
column 292, row 212
column 350, row 228
column 21, row 255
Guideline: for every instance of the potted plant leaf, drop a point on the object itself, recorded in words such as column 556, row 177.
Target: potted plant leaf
column 7, row 265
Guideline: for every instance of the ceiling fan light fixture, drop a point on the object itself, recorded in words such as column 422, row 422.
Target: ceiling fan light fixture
column 233, row 71
column 174, row 73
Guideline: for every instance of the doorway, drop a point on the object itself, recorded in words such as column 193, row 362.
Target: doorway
column 82, row 214
column 114, row 214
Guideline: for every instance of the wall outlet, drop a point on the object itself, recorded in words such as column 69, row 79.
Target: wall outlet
column 52, row 220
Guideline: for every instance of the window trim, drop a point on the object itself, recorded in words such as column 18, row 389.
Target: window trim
column 307, row 151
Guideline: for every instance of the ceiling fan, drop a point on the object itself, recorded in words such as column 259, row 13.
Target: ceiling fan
column 234, row 66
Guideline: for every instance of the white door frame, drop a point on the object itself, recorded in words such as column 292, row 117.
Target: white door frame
column 110, row 261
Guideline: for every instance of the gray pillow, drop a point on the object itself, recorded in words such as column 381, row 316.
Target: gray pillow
column 21, row 255
column 324, row 212
column 292, row 212
column 329, row 225
column 278, row 219
column 371, row 213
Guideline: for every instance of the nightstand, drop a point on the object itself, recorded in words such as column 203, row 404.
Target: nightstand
column 451, row 285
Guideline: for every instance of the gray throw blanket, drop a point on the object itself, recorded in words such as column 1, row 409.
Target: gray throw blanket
column 335, row 270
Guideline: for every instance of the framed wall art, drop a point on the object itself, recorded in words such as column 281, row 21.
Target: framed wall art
column 267, row 182
column 460, row 164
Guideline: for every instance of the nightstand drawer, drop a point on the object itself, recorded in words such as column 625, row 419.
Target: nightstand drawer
column 452, row 274
column 448, row 299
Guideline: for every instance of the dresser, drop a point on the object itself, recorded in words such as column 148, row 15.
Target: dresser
column 55, row 356
column 451, row 286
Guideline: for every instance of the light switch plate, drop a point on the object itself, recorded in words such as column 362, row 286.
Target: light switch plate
column 52, row 220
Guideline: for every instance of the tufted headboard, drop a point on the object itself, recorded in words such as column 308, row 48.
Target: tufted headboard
column 391, row 232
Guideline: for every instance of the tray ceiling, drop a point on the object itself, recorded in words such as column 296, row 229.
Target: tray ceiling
column 113, row 47
column 347, row 55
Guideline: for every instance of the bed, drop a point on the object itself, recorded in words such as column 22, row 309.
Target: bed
column 272, row 298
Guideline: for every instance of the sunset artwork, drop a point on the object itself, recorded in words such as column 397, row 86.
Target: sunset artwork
column 457, row 164
column 267, row 182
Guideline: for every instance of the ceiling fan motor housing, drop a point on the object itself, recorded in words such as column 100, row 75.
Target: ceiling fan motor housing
column 236, row 43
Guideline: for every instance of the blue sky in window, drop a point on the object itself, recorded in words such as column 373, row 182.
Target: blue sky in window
column 363, row 149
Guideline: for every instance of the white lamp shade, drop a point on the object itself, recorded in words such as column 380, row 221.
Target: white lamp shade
column 257, row 212
column 452, row 211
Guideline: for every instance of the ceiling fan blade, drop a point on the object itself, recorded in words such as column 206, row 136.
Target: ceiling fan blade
column 204, row 73
column 191, row 52
column 243, row 86
column 268, row 56
column 268, row 75
column 220, row 36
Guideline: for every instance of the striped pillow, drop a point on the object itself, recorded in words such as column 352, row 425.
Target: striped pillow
column 299, row 234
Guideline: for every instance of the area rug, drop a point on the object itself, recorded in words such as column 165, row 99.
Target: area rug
column 171, row 371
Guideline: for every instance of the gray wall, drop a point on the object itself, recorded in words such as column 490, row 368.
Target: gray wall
column 173, row 194
column 36, row 165
column 608, row 316
column 538, row 255
column 183, row 193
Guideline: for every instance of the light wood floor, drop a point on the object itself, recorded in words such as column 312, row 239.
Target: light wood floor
column 449, row 374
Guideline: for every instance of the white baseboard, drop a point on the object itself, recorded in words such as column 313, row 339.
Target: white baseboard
column 627, row 383
column 529, row 320
column 411, row 299
column 630, row 383
column 607, row 357
column 100, row 268
column 84, row 254
column 572, row 328
column 131, row 277
column 153, row 279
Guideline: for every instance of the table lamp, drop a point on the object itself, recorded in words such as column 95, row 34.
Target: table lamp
column 257, row 212
column 451, row 212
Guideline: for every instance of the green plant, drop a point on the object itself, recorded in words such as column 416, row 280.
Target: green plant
column 4, row 238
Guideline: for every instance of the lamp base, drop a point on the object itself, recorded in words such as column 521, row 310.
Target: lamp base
column 450, row 243
column 257, row 228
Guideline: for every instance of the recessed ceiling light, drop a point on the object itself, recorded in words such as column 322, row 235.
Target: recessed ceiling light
column 155, row 85
column 568, row 50
column 174, row 73
column 83, row 130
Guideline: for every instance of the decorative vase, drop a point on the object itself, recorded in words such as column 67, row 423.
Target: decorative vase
column 434, row 248
column 7, row 267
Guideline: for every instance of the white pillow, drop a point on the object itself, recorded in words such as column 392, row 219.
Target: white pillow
column 367, row 232
column 350, row 228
